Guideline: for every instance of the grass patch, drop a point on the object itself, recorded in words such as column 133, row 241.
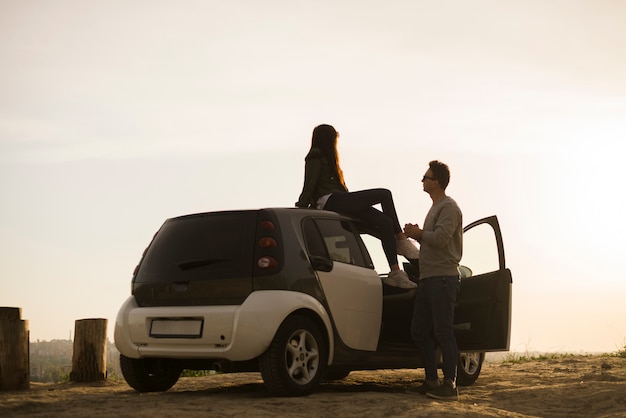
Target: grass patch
column 197, row 373
column 516, row 358
column 621, row 353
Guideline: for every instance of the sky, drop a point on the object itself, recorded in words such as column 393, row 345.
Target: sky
column 117, row 115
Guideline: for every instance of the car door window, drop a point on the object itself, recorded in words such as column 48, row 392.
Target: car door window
column 339, row 240
column 313, row 238
column 376, row 252
column 480, row 251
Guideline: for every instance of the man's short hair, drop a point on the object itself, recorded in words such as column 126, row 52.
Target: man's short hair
column 441, row 172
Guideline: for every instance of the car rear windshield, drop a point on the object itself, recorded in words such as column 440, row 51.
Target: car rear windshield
column 201, row 247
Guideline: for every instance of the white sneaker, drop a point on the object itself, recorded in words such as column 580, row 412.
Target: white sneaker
column 406, row 248
column 399, row 278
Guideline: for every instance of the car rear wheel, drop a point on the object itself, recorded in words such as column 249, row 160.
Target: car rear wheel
column 468, row 368
column 149, row 375
column 294, row 363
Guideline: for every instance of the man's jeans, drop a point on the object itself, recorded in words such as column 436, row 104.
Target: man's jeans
column 432, row 323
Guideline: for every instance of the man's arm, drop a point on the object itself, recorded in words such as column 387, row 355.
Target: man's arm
column 447, row 222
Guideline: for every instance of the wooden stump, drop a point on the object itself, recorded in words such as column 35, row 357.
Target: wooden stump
column 14, row 345
column 10, row 314
column 89, row 358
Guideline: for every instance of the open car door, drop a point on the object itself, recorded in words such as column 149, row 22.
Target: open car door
column 482, row 319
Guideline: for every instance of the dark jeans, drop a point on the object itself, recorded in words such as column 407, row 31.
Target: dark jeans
column 359, row 205
column 432, row 323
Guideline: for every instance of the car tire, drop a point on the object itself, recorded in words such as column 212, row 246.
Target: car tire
column 148, row 375
column 468, row 369
column 294, row 363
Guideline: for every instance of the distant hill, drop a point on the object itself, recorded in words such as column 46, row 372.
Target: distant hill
column 51, row 361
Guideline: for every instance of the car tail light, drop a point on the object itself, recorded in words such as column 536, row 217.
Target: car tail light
column 269, row 251
column 267, row 242
column 267, row 225
column 267, row 262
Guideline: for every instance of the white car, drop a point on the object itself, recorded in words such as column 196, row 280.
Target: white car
column 293, row 293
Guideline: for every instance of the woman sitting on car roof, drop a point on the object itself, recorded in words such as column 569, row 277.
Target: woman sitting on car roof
column 324, row 188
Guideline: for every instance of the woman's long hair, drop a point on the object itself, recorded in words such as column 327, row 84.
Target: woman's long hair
column 325, row 139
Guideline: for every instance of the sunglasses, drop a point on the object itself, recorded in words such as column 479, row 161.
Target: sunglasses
column 428, row 178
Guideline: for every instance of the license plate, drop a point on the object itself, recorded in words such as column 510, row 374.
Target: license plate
column 176, row 328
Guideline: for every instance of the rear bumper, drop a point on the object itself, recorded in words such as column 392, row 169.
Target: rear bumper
column 233, row 332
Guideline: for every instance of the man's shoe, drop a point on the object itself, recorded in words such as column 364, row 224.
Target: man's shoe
column 445, row 392
column 399, row 278
column 406, row 248
column 427, row 386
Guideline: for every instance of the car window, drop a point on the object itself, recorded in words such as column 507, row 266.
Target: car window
column 376, row 252
column 338, row 240
column 313, row 238
column 480, row 251
column 201, row 247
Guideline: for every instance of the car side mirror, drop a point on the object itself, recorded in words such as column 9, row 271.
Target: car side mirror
column 322, row 263
column 465, row 272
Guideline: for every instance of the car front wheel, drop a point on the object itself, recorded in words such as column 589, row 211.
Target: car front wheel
column 149, row 375
column 294, row 363
column 468, row 368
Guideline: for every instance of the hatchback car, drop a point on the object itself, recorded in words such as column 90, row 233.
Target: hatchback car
column 293, row 294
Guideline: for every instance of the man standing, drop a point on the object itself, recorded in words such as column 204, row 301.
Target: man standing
column 441, row 249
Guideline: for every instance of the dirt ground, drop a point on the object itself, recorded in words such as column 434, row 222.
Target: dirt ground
column 572, row 386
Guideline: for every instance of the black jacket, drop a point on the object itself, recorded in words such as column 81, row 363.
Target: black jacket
column 320, row 178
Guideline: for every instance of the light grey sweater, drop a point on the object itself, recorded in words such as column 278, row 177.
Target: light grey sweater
column 442, row 242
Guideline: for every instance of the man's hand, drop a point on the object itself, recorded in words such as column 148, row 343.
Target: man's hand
column 413, row 231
